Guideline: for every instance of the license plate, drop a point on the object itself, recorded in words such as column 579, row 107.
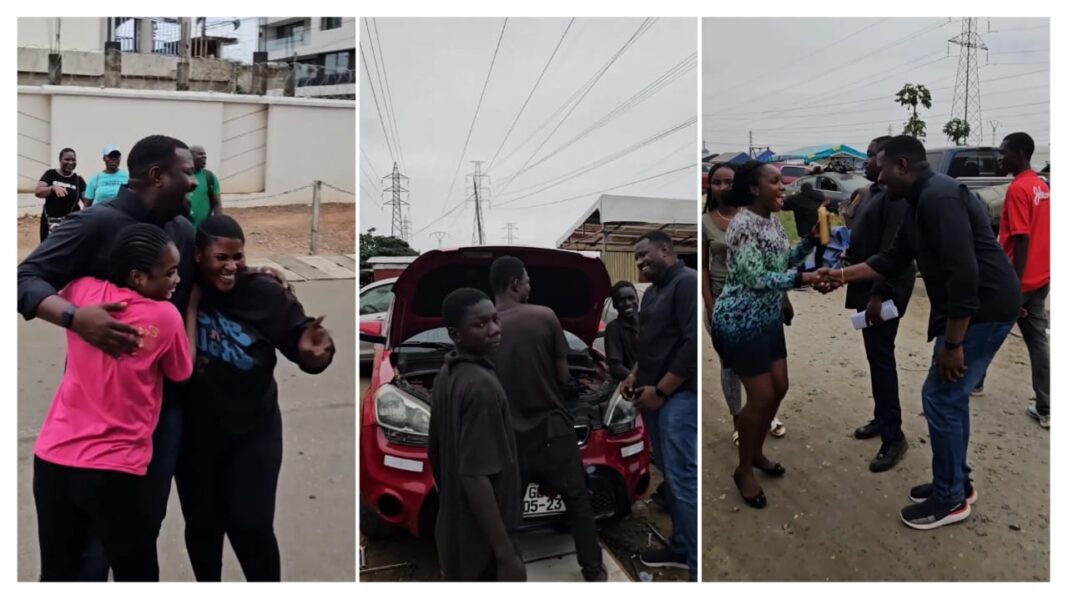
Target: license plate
column 535, row 504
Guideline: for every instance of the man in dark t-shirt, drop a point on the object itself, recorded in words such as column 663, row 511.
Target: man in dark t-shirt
column 472, row 450
column 532, row 364
column 621, row 335
column 62, row 190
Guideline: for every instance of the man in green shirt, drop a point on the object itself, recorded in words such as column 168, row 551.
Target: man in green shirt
column 206, row 200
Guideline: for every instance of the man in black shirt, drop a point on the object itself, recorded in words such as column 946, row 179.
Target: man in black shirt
column 975, row 298
column 664, row 383
column 472, row 450
column 805, row 206
column 621, row 335
column 875, row 223
column 62, row 191
column 160, row 177
column 532, row 365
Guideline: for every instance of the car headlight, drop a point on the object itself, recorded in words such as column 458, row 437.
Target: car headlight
column 404, row 418
column 620, row 414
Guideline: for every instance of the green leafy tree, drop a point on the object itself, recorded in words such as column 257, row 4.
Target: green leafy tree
column 957, row 130
column 382, row 245
column 912, row 96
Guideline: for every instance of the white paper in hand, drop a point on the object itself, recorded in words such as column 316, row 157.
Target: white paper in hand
column 889, row 311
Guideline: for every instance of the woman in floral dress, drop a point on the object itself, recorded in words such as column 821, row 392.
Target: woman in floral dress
column 749, row 315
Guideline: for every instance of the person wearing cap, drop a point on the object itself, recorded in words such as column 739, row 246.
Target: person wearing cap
column 105, row 185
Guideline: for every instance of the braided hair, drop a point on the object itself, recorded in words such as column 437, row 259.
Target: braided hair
column 745, row 175
column 709, row 204
column 137, row 248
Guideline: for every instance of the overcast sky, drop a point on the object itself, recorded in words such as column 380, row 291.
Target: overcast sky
column 802, row 82
column 435, row 70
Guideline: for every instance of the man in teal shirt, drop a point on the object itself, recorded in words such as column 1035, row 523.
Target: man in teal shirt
column 206, row 200
column 105, row 185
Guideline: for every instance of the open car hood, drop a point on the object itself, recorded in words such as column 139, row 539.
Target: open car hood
column 574, row 286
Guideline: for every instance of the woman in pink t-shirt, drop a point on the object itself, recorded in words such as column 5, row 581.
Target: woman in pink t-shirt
column 96, row 442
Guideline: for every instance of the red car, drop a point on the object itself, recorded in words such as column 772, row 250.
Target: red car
column 792, row 171
column 396, row 483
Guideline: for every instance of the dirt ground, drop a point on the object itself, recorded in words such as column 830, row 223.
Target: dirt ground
column 269, row 230
column 624, row 539
column 830, row 518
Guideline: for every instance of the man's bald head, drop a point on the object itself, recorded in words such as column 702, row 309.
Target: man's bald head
column 200, row 157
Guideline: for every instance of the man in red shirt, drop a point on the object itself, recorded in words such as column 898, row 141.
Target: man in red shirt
column 1024, row 234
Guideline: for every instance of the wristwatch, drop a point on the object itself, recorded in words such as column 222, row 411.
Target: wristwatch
column 67, row 319
column 951, row 345
column 659, row 392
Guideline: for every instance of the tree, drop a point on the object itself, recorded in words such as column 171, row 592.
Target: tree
column 382, row 245
column 957, row 130
column 912, row 96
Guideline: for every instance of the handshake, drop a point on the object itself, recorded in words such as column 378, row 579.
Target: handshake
column 824, row 280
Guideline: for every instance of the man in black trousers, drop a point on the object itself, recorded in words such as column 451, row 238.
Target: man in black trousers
column 875, row 223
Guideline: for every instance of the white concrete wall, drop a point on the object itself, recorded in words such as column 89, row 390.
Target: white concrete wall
column 261, row 146
column 76, row 33
column 310, row 144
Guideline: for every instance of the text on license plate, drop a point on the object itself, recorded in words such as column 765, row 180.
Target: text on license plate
column 535, row 504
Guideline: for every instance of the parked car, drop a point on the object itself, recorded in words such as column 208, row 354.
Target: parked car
column 836, row 187
column 396, row 485
column 375, row 299
column 978, row 167
column 791, row 172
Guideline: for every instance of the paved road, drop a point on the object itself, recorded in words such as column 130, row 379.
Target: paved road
column 315, row 521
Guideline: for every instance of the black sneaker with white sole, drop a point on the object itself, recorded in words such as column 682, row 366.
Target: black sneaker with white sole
column 663, row 557
column 931, row 514
column 925, row 490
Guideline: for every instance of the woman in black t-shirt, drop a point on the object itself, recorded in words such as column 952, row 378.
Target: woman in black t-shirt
column 62, row 190
column 232, row 434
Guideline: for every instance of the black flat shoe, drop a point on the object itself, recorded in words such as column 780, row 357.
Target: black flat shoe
column 759, row 501
column 775, row 470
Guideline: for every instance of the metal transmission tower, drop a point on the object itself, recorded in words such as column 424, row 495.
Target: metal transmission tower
column 479, row 193
column 994, row 124
column 509, row 233
column 398, row 201
column 406, row 229
column 966, row 104
column 439, row 235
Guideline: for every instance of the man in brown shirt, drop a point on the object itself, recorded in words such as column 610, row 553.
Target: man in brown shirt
column 532, row 366
column 472, row 450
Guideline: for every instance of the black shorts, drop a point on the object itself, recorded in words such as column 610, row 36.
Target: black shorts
column 753, row 356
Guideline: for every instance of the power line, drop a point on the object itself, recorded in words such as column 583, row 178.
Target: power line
column 581, row 89
column 606, row 160
column 657, row 85
column 851, row 62
column 796, row 61
column 820, row 110
column 882, row 121
column 478, row 107
column 692, row 166
column 531, row 94
column 363, row 57
column 389, row 94
column 646, row 24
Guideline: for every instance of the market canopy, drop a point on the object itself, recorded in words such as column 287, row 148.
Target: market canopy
column 823, row 152
column 728, row 157
column 616, row 223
